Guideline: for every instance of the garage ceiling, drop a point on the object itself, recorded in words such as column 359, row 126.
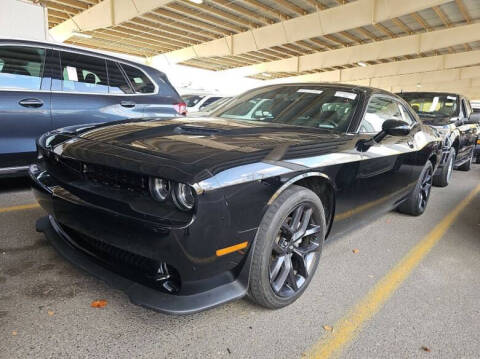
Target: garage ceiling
column 308, row 36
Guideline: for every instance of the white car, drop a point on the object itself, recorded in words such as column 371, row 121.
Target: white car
column 196, row 102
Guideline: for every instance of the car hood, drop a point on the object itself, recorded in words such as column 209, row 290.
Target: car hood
column 199, row 147
column 436, row 121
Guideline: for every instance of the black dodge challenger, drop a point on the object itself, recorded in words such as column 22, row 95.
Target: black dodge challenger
column 184, row 214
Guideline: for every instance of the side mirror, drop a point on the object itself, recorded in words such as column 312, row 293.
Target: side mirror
column 389, row 127
column 395, row 128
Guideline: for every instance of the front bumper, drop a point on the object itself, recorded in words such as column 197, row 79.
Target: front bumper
column 138, row 294
column 206, row 282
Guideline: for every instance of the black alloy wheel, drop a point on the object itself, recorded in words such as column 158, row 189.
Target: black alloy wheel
column 294, row 251
column 287, row 248
column 416, row 202
column 425, row 189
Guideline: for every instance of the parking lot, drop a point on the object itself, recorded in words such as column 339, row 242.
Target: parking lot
column 429, row 310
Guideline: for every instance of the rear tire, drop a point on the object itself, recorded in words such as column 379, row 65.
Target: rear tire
column 284, row 262
column 417, row 201
column 442, row 178
column 467, row 165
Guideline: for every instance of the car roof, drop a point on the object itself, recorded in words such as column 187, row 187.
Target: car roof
column 61, row 46
column 430, row 93
column 347, row 87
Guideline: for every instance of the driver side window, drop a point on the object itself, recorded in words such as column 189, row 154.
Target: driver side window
column 379, row 110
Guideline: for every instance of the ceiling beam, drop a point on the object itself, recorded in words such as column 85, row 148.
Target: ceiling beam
column 105, row 14
column 319, row 23
column 447, row 67
column 375, row 51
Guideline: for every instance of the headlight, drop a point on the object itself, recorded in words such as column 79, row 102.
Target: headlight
column 184, row 196
column 159, row 188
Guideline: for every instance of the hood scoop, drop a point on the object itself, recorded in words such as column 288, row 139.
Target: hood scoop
column 195, row 130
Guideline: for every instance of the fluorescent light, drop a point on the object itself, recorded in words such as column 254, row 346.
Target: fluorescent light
column 81, row 34
column 266, row 74
column 363, row 64
column 418, row 85
column 197, row 1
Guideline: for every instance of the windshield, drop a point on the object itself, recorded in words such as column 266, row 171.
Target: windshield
column 192, row 100
column 309, row 106
column 433, row 105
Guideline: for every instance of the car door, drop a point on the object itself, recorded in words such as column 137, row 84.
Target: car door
column 387, row 172
column 24, row 103
column 90, row 89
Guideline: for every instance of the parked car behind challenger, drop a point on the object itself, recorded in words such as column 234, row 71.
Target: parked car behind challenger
column 452, row 116
column 188, row 213
column 45, row 86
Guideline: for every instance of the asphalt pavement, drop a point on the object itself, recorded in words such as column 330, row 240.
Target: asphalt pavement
column 432, row 311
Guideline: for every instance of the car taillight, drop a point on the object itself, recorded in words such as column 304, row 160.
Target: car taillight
column 181, row 108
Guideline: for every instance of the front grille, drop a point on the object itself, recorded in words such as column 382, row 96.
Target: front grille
column 139, row 268
column 70, row 169
column 115, row 178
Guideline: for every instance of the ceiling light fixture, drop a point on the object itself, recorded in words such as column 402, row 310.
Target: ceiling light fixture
column 81, row 34
column 266, row 74
column 363, row 64
column 197, row 1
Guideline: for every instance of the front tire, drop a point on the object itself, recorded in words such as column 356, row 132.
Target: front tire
column 442, row 179
column 467, row 165
column 417, row 201
column 287, row 249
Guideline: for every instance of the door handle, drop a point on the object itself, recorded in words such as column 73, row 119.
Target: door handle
column 127, row 104
column 31, row 102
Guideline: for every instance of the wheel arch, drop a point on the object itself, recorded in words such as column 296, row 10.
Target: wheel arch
column 321, row 185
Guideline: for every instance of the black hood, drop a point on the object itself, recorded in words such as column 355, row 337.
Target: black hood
column 199, row 147
column 436, row 121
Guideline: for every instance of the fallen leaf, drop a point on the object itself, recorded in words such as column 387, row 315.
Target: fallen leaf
column 328, row 327
column 425, row 349
column 14, row 332
column 51, row 312
column 356, row 251
column 99, row 303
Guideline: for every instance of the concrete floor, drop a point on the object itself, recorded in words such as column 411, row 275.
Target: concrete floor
column 45, row 302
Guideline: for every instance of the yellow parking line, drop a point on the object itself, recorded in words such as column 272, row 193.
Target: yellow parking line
column 347, row 328
column 19, row 208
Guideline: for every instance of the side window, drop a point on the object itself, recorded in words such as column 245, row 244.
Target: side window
column 117, row 82
column 406, row 116
column 81, row 73
column 378, row 111
column 21, row 68
column 140, row 82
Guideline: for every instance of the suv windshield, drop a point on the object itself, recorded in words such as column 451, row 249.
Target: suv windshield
column 308, row 106
column 433, row 105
